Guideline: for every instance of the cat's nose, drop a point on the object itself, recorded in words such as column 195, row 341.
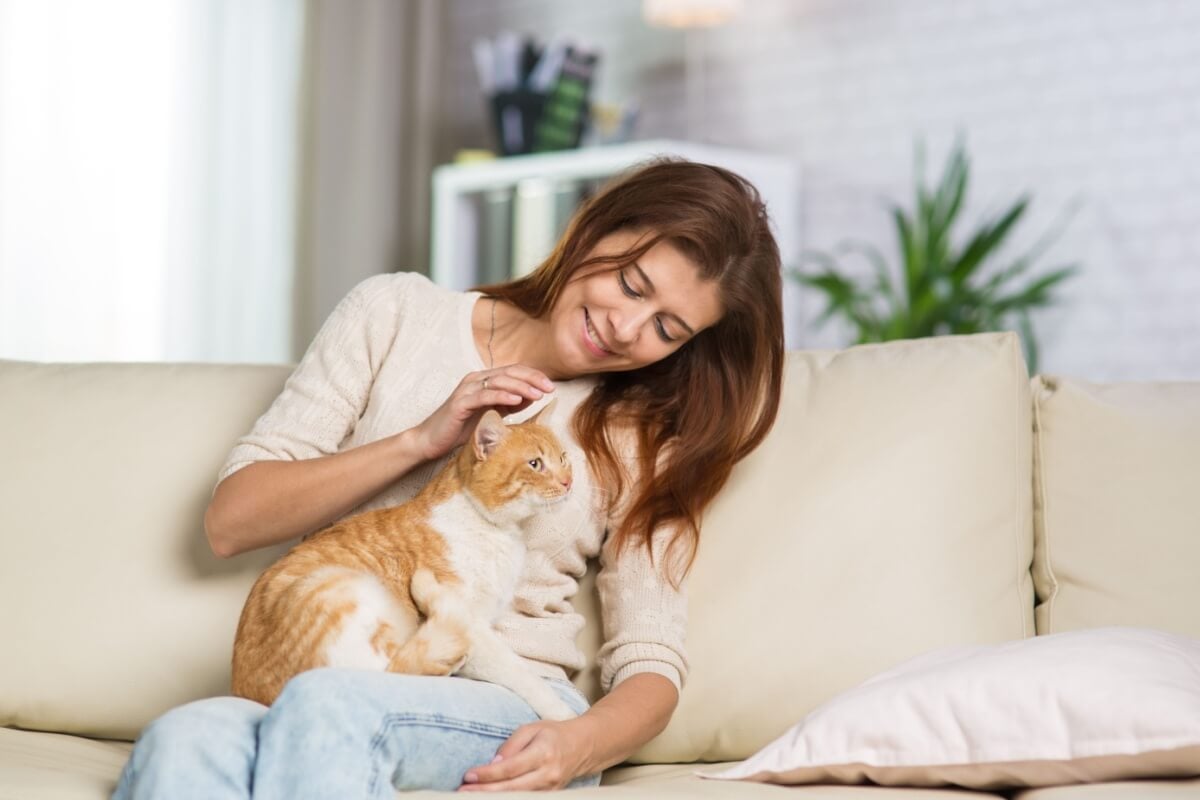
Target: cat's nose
column 566, row 482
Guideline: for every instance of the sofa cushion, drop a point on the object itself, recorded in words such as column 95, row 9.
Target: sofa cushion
column 116, row 610
column 656, row 781
column 54, row 766
column 1077, row 707
column 1117, row 514
column 50, row 766
column 1187, row 789
column 887, row 514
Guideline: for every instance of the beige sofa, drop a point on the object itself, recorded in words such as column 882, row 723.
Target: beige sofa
column 894, row 509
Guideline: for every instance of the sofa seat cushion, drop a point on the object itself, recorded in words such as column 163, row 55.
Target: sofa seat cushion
column 1117, row 511
column 52, row 766
column 1118, row 790
column 678, row 780
column 55, row 766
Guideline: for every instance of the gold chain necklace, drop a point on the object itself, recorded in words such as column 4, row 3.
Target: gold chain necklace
column 491, row 362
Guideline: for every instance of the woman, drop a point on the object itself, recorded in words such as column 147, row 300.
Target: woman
column 657, row 324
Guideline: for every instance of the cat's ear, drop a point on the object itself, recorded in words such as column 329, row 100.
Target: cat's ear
column 545, row 412
column 490, row 431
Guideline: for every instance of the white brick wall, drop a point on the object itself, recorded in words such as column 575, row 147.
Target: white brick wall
column 1089, row 100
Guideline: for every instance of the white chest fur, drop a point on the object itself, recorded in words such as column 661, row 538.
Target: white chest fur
column 488, row 558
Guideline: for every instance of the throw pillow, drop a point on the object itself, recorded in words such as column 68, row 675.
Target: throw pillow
column 1093, row 705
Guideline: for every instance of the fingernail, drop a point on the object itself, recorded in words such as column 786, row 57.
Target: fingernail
column 549, row 386
column 536, row 394
column 470, row 777
column 497, row 758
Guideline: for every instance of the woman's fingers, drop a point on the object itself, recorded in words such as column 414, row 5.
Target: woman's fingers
column 508, row 383
column 529, row 375
column 495, row 397
column 518, row 373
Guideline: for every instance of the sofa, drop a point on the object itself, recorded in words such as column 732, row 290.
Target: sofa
column 912, row 495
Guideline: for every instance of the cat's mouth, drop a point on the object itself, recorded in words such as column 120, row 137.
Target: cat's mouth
column 556, row 499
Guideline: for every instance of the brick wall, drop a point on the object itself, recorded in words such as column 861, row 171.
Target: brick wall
column 1094, row 102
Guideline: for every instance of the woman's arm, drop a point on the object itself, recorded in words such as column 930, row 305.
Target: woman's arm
column 633, row 713
column 549, row 755
column 269, row 502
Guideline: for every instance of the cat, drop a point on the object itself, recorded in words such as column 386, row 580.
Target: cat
column 417, row 587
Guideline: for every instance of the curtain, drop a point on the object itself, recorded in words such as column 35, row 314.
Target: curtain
column 372, row 117
column 149, row 154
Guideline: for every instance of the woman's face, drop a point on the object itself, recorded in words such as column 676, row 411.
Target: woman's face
column 614, row 320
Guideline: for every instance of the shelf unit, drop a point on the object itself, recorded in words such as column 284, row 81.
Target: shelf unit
column 456, row 188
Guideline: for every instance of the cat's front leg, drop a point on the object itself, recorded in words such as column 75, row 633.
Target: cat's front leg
column 492, row 660
column 441, row 642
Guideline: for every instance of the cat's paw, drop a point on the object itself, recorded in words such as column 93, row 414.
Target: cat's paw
column 554, row 708
column 445, row 666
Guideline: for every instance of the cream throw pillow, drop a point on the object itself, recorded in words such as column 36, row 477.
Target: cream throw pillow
column 1096, row 705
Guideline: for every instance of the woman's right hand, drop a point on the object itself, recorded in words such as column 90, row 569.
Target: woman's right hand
column 507, row 389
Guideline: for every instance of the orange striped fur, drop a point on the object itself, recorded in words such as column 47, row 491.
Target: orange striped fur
column 394, row 588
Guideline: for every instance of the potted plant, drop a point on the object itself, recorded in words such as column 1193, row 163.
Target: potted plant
column 941, row 287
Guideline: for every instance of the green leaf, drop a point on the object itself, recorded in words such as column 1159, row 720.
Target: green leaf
column 883, row 279
column 1029, row 341
column 987, row 240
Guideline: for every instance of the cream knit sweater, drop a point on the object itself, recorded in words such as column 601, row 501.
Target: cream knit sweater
column 387, row 357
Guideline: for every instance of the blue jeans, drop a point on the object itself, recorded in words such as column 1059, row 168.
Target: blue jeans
column 333, row 734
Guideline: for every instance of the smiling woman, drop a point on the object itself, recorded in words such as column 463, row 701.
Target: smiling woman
column 657, row 325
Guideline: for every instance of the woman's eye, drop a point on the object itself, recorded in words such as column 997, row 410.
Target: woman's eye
column 662, row 331
column 625, row 287
column 536, row 463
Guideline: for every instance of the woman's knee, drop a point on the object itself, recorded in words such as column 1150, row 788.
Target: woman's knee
column 202, row 720
column 221, row 729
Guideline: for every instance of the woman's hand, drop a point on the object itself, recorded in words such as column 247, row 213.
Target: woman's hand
column 541, row 755
column 507, row 389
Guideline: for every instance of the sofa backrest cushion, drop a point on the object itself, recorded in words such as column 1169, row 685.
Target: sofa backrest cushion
column 888, row 513
column 114, row 608
column 1117, row 504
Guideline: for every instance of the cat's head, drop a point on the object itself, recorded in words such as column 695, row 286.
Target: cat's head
column 517, row 470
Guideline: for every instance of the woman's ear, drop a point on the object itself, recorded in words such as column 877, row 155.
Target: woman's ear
column 489, row 432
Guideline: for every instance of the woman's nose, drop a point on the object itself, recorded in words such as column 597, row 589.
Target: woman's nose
column 627, row 325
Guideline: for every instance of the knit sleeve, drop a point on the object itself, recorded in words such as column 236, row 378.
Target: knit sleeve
column 644, row 616
column 325, row 396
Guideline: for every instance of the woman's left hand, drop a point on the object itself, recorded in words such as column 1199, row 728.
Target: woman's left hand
column 540, row 755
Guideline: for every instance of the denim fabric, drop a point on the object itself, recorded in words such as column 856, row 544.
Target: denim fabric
column 331, row 733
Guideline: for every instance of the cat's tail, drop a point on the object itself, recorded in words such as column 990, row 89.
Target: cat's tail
column 439, row 647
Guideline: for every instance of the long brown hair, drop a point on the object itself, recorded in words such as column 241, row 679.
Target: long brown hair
column 700, row 410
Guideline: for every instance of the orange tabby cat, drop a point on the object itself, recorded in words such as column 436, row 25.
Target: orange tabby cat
column 415, row 588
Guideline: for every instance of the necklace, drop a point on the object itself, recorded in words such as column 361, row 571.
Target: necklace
column 491, row 362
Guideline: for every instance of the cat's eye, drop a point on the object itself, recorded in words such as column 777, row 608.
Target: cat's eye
column 536, row 463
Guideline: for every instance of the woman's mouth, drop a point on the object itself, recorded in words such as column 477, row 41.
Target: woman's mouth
column 591, row 338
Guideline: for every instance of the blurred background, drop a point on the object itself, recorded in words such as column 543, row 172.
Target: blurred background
column 203, row 180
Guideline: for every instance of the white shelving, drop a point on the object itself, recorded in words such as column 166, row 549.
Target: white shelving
column 456, row 187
